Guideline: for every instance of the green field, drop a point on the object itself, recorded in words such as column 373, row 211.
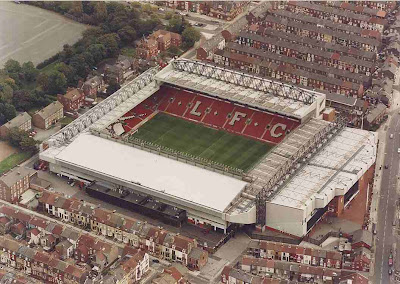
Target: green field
column 195, row 139
column 13, row 160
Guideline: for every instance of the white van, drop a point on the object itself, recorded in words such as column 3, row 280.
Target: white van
column 391, row 136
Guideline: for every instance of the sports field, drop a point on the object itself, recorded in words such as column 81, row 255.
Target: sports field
column 195, row 139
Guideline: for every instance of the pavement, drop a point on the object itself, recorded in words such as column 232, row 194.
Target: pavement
column 385, row 193
column 228, row 254
column 43, row 135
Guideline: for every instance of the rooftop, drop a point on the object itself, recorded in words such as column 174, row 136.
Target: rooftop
column 336, row 167
column 270, row 95
column 16, row 174
column 49, row 110
column 160, row 174
column 18, row 120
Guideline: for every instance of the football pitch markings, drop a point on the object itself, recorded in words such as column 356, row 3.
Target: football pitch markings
column 201, row 141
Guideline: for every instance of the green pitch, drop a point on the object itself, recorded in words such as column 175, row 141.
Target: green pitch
column 195, row 139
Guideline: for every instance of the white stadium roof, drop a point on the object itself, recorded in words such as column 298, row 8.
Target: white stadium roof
column 170, row 177
column 336, row 167
column 240, row 87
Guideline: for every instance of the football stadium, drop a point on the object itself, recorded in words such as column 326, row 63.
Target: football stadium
column 197, row 143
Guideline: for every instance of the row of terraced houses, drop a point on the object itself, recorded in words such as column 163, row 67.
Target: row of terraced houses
column 155, row 240
column 56, row 253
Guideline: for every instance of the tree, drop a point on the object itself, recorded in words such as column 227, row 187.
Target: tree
column 22, row 100
column 15, row 136
column 77, row 8
column 11, row 82
column 173, row 50
column 110, row 42
column 112, row 87
column 189, row 36
column 28, row 144
column 67, row 70
column 88, row 7
column 7, row 112
column 57, row 83
column 6, row 92
column 100, row 12
column 29, row 71
column 98, row 52
column 12, row 66
column 127, row 34
column 67, row 52
column 147, row 8
column 43, row 80
column 80, row 66
column 19, row 138
column 168, row 15
column 176, row 24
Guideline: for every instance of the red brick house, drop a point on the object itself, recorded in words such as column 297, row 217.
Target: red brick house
column 92, row 86
column 295, row 254
column 197, row 258
column 147, row 48
column 157, row 42
column 73, row 100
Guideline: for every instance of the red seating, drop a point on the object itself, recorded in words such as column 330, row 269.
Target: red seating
column 212, row 112
column 179, row 102
column 201, row 107
column 218, row 114
column 258, row 124
column 290, row 124
column 238, row 125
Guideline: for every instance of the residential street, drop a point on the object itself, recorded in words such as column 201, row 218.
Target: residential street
column 387, row 194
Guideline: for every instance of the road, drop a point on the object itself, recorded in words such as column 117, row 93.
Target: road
column 387, row 200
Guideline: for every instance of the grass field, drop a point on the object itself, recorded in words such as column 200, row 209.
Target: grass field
column 195, row 139
column 13, row 160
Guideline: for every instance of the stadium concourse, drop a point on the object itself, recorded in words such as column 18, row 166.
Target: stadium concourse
column 314, row 167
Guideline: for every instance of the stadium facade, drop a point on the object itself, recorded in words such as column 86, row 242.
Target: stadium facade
column 315, row 166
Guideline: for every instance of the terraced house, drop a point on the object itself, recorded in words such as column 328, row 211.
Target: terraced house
column 38, row 264
column 338, row 15
column 121, row 228
column 320, row 32
column 55, row 253
column 296, row 254
column 306, row 53
column 266, row 67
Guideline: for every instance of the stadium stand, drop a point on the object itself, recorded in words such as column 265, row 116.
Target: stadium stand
column 212, row 112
